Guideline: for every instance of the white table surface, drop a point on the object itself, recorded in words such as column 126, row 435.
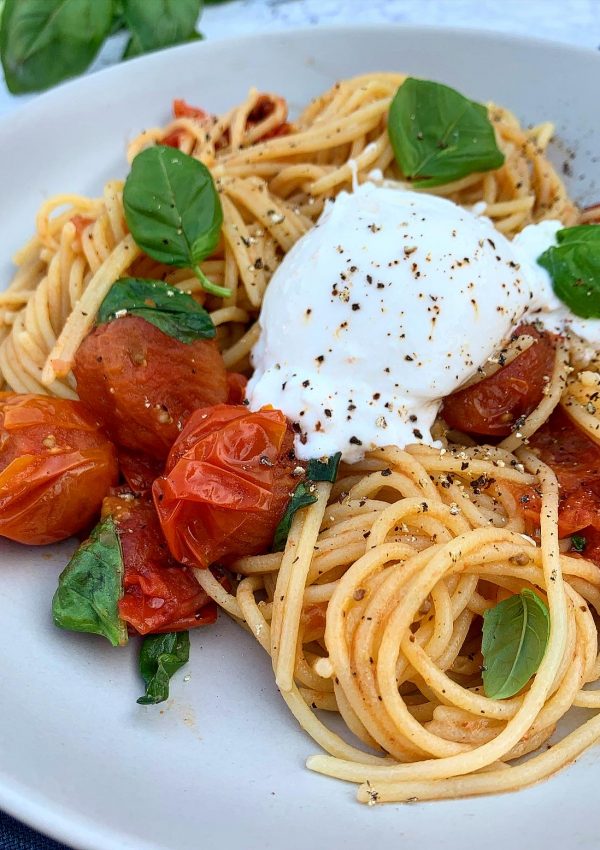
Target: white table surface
column 572, row 21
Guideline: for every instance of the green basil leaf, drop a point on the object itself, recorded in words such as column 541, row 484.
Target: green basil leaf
column 43, row 42
column 160, row 657
column 574, row 266
column 323, row 470
column 90, row 586
column 515, row 635
column 578, row 543
column 159, row 23
column 438, row 135
column 173, row 209
column 301, row 498
column 172, row 311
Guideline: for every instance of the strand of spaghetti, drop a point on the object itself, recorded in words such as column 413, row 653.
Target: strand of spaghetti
column 294, row 593
column 60, row 360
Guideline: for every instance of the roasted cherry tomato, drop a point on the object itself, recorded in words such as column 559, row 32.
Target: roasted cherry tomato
column 492, row 406
column 56, row 465
column 237, row 384
column 139, row 471
column 143, row 384
column 227, row 482
column 575, row 459
column 159, row 595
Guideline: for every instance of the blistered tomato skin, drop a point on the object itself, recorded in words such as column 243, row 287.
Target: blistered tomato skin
column 159, row 595
column 228, row 480
column 143, row 384
column 56, row 466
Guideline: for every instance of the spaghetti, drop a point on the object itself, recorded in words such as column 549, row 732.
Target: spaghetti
column 374, row 608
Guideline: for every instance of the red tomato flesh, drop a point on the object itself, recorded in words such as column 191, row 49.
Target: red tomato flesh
column 56, row 465
column 492, row 406
column 143, row 384
column 159, row 595
column 227, row 482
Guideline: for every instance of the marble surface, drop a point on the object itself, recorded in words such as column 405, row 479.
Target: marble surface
column 572, row 21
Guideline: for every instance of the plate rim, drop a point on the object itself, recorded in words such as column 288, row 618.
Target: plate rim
column 16, row 799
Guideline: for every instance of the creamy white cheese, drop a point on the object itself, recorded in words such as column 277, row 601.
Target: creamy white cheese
column 391, row 302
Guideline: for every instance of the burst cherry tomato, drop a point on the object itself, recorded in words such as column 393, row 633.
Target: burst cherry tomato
column 227, row 482
column 159, row 595
column 56, row 465
column 143, row 384
column 492, row 406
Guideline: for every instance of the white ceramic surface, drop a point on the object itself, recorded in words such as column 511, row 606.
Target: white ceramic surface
column 221, row 764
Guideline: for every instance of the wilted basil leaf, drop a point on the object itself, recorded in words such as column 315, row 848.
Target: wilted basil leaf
column 515, row 635
column 301, row 498
column 323, row 470
column 438, row 135
column 172, row 311
column 160, row 657
column 574, row 266
column 90, row 586
column 578, row 543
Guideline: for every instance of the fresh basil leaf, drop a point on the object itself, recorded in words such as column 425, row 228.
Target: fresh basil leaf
column 323, row 470
column 90, row 586
column 159, row 23
column 160, row 657
column 578, row 543
column 515, row 635
column 134, row 47
column 173, row 210
column 574, row 266
column 43, row 42
column 172, row 311
column 438, row 135
column 301, row 498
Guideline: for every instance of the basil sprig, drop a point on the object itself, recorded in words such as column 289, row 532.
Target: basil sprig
column 515, row 636
column 90, row 586
column 160, row 657
column 43, row 42
column 303, row 496
column 438, row 135
column 574, row 266
column 173, row 211
column 172, row 311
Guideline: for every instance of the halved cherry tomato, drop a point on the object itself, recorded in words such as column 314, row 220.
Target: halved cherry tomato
column 56, row 465
column 143, row 384
column 228, row 480
column 575, row 459
column 492, row 406
column 159, row 595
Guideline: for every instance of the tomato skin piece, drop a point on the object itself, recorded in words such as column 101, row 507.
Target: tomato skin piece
column 143, row 384
column 492, row 406
column 159, row 595
column 227, row 482
column 56, row 465
column 182, row 109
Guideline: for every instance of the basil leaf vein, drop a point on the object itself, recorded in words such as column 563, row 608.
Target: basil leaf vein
column 173, row 211
column 160, row 657
column 90, row 586
column 574, row 266
column 515, row 636
column 43, row 42
column 438, row 135
column 169, row 309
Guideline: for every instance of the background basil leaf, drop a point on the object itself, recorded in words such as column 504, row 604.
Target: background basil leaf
column 43, row 42
column 574, row 266
column 515, row 635
column 160, row 657
column 323, row 470
column 159, row 23
column 438, row 135
column 90, row 586
column 301, row 499
column 173, row 209
column 172, row 311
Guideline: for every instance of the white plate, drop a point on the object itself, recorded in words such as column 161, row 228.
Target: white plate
column 221, row 764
